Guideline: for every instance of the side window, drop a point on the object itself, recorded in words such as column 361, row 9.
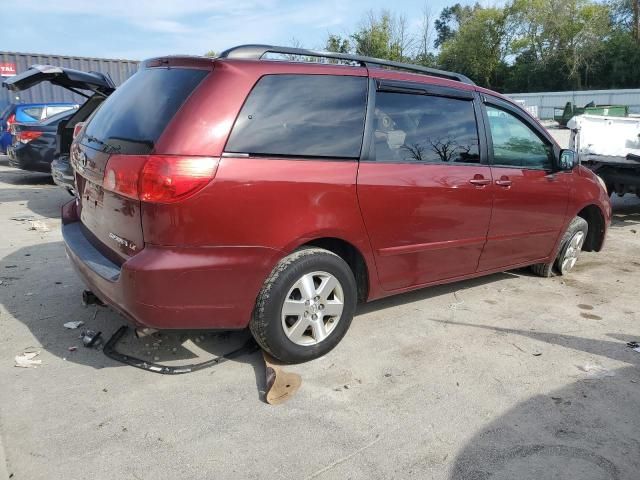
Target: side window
column 425, row 129
column 34, row 112
column 51, row 111
column 302, row 115
column 515, row 144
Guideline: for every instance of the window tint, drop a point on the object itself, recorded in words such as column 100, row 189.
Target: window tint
column 515, row 144
column 302, row 115
column 132, row 119
column 427, row 129
column 34, row 112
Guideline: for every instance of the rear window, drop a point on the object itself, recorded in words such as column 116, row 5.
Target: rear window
column 302, row 115
column 132, row 119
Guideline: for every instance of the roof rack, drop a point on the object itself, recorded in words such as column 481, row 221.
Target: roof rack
column 256, row 52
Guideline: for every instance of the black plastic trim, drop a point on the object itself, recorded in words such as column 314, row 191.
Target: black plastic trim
column 366, row 152
column 414, row 88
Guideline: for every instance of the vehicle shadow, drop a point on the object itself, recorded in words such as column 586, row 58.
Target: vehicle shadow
column 436, row 291
column 42, row 204
column 586, row 430
column 40, row 290
column 38, row 193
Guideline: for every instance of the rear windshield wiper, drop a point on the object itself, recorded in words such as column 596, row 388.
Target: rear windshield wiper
column 105, row 147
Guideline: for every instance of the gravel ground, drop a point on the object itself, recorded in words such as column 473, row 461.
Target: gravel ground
column 505, row 377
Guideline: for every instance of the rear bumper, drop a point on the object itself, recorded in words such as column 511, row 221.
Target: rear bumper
column 62, row 173
column 23, row 157
column 173, row 287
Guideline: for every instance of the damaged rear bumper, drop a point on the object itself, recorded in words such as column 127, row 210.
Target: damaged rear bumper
column 173, row 287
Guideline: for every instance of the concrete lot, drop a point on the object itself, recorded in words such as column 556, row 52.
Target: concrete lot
column 506, row 377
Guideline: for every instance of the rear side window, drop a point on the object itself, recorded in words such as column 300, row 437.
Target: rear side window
column 302, row 115
column 424, row 129
column 51, row 111
column 34, row 112
column 132, row 119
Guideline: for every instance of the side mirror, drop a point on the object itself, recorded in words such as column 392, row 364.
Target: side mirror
column 568, row 159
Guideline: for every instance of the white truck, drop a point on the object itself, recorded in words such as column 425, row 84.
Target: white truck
column 610, row 146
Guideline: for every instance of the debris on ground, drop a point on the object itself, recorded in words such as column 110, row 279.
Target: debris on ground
column 38, row 226
column 22, row 219
column 90, row 338
column 73, row 325
column 144, row 332
column 26, row 360
column 635, row 346
column 73, row 348
column 280, row 385
column 596, row 371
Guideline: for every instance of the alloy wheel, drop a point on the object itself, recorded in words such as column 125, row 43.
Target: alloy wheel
column 312, row 308
column 570, row 256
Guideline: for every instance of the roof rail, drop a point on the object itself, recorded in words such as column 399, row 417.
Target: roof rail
column 256, row 52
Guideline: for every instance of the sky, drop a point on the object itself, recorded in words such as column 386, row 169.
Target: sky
column 138, row 29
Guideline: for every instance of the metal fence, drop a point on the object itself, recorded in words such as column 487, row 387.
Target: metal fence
column 547, row 101
column 119, row 70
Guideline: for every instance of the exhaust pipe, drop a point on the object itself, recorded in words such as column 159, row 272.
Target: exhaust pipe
column 90, row 298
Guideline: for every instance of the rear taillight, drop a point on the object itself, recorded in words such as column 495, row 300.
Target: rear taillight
column 26, row 137
column 77, row 128
column 10, row 121
column 158, row 178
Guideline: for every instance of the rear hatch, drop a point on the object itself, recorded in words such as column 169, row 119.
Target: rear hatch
column 68, row 78
column 116, row 145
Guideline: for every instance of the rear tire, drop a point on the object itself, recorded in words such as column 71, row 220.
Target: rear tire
column 570, row 247
column 305, row 306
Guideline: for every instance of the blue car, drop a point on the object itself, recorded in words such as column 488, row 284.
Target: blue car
column 27, row 113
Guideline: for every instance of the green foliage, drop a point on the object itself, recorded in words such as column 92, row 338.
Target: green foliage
column 450, row 20
column 335, row 43
column 478, row 48
column 527, row 45
column 379, row 37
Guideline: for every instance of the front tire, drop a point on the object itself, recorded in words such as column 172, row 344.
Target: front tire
column 570, row 247
column 305, row 306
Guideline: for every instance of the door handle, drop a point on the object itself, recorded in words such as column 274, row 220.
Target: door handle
column 503, row 182
column 479, row 181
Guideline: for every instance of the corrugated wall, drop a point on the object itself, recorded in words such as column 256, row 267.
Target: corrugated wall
column 119, row 70
column 548, row 100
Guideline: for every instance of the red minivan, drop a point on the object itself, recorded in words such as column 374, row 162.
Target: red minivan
column 249, row 190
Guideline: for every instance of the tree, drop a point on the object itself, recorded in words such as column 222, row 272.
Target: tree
column 338, row 44
column 561, row 38
column 478, row 48
column 424, row 55
column 450, row 20
column 383, row 36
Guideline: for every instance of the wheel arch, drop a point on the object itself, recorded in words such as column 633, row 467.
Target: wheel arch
column 597, row 228
column 351, row 255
